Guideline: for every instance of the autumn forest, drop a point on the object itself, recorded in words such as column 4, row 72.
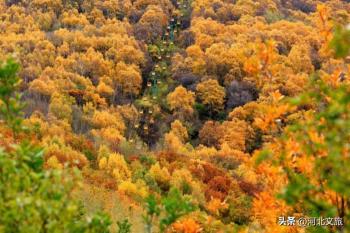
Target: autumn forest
column 174, row 116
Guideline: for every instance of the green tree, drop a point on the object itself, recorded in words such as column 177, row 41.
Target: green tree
column 341, row 41
column 124, row 226
column 171, row 208
column 175, row 206
column 152, row 211
column 10, row 106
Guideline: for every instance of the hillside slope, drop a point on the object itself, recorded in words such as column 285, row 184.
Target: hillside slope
column 189, row 106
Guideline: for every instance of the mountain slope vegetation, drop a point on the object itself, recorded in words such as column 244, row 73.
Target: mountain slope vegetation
column 179, row 116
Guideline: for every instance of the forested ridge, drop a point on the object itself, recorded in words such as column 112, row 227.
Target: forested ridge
column 184, row 116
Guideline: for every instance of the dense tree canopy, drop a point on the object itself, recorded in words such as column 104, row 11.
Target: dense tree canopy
column 180, row 116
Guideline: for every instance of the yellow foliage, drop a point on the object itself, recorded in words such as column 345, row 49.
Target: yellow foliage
column 130, row 55
column 102, row 164
column 296, row 84
column 270, row 114
column 211, row 93
column 138, row 190
column 211, row 133
column 260, row 64
column 129, row 113
column 43, row 87
column 105, row 119
column 179, row 130
column 235, row 134
column 58, row 128
column 226, row 150
column 175, row 139
column 110, row 135
column 173, row 143
column 247, row 173
column 188, row 225
column 299, row 59
column 179, row 177
column 203, row 152
column 181, row 100
column 196, row 59
column 96, row 51
column 37, row 123
column 47, row 3
column 114, row 165
column 267, row 209
column 58, row 154
column 60, row 107
column 128, row 78
column 335, row 79
column 73, row 19
column 325, row 26
column 161, row 175
column 53, row 162
column 104, row 89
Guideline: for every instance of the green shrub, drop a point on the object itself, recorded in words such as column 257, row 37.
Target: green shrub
column 124, row 226
column 171, row 208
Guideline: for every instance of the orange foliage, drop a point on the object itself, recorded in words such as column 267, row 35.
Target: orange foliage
column 187, row 225
column 218, row 187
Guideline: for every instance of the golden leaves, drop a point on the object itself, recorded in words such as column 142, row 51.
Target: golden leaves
column 324, row 24
column 252, row 66
column 299, row 59
column 175, row 139
column 258, row 64
column 334, row 79
column 211, row 133
column 215, row 205
column 53, row 162
column 130, row 55
column 60, row 107
column 161, row 175
column 104, row 90
column 58, row 154
column 267, row 209
column 102, row 164
column 128, row 77
column 325, row 27
column 109, row 135
column 235, row 135
column 137, row 190
column 43, row 87
column 270, row 114
column 267, row 52
column 115, row 165
column 188, row 225
column 73, row 19
column 181, row 100
column 179, row 130
column 276, row 96
column 212, row 94
column 196, row 59
column 104, row 119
